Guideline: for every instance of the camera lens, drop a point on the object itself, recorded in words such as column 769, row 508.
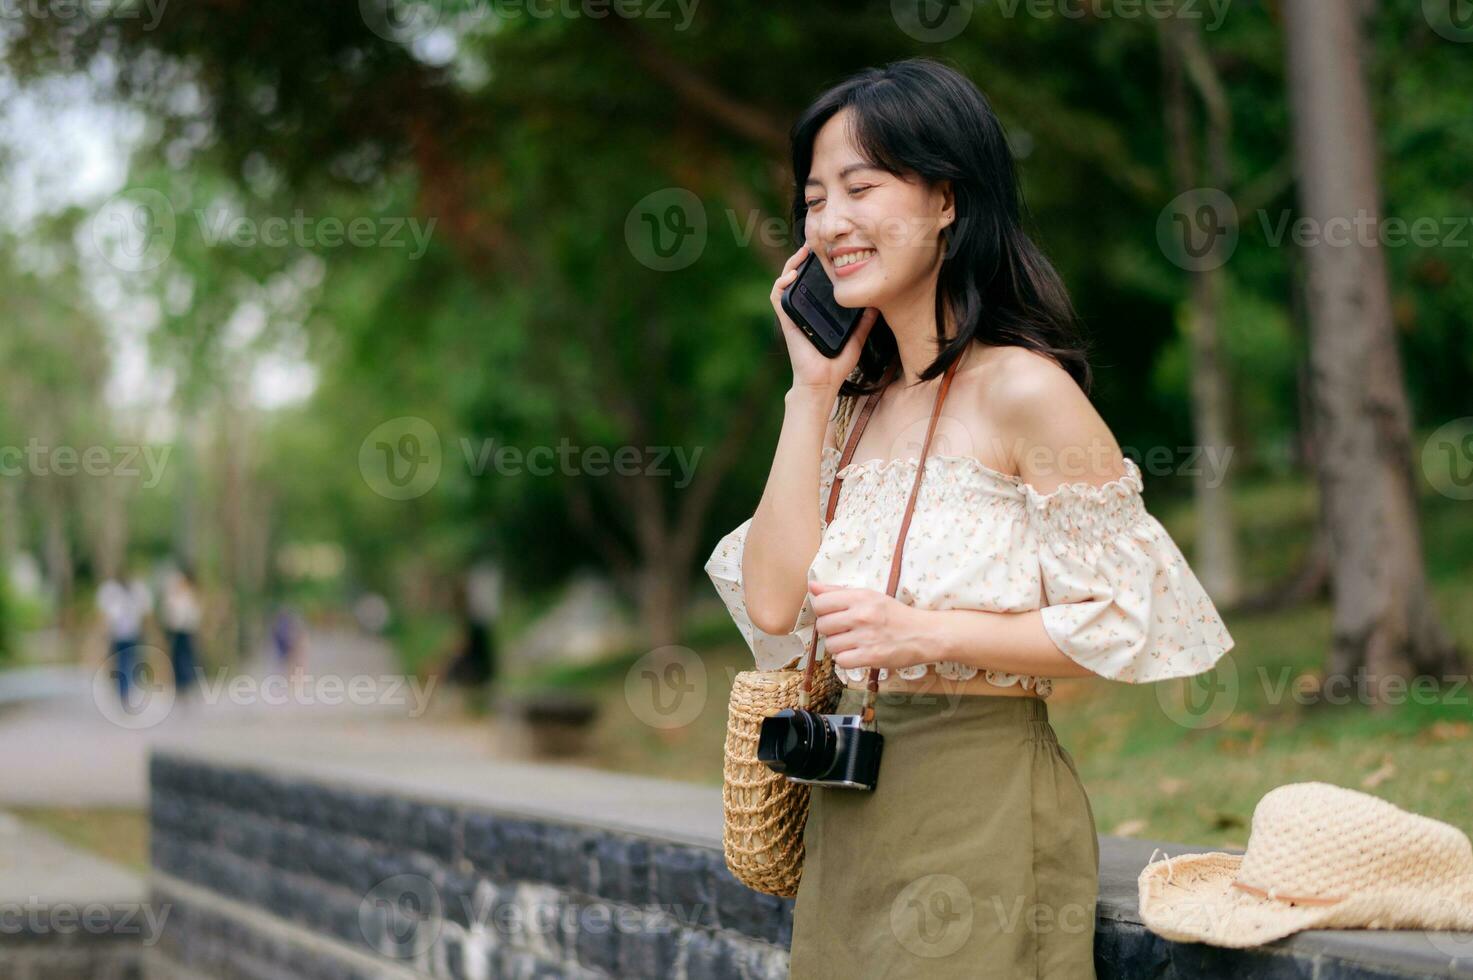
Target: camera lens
column 799, row 743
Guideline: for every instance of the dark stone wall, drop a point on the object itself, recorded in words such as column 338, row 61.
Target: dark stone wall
column 452, row 891
column 285, row 874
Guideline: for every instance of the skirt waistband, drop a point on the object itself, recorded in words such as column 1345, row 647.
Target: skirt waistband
column 977, row 711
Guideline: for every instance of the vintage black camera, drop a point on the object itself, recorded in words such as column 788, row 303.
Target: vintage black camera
column 825, row 750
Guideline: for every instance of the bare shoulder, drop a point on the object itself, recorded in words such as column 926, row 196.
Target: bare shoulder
column 1018, row 381
column 1052, row 431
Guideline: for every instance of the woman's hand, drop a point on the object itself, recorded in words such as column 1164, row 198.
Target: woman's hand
column 810, row 368
column 865, row 628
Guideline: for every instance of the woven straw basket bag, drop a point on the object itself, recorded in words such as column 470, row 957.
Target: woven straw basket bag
column 765, row 813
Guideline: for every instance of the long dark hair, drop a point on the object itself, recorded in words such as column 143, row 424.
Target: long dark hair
column 922, row 117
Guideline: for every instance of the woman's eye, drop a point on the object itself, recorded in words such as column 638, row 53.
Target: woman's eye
column 812, row 204
column 860, row 189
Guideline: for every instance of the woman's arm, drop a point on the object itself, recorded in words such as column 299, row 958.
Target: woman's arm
column 1015, row 643
column 784, row 536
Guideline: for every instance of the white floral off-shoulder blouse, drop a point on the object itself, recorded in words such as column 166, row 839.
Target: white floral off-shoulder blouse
column 1116, row 594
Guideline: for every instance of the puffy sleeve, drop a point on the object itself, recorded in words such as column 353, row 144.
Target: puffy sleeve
column 771, row 651
column 1119, row 597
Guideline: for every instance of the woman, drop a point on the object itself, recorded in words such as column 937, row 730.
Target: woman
column 1030, row 554
column 181, row 616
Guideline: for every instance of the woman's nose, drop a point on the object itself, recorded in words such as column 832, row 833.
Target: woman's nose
column 833, row 223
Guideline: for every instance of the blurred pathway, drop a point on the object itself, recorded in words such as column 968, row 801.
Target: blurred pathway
column 79, row 748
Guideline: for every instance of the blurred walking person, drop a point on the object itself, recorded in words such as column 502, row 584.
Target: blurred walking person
column 181, row 616
column 478, row 603
column 125, row 603
column 288, row 641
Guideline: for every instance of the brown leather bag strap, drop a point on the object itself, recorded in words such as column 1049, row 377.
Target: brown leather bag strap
column 853, row 442
column 873, row 684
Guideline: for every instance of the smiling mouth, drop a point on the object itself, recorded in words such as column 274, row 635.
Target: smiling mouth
column 853, row 258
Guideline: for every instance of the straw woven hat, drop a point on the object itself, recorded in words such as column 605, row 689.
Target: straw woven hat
column 1319, row 856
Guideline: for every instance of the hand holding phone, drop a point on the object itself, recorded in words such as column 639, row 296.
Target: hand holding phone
column 824, row 339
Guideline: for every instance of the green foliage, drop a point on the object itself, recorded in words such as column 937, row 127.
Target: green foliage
column 529, row 321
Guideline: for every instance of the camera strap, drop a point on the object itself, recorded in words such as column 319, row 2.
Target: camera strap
column 872, row 685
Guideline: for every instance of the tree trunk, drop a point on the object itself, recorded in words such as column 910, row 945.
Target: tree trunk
column 662, row 598
column 1384, row 623
column 1184, row 58
column 57, row 547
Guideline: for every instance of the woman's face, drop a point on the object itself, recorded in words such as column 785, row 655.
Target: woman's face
column 877, row 235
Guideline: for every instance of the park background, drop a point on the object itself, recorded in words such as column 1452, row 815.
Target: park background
column 322, row 262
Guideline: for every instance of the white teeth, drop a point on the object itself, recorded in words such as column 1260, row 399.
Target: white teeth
column 849, row 258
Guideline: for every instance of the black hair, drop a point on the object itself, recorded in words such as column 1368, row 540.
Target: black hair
column 922, row 117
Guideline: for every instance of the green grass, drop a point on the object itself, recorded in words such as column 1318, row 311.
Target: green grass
column 1147, row 774
column 118, row 835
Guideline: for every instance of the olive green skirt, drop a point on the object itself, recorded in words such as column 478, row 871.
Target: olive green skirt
column 975, row 855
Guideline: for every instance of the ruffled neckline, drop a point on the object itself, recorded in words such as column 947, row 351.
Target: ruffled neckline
column 1096, row 493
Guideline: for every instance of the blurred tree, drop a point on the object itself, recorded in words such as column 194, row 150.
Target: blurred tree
column 1187, row 62
column 53, row 367
column 534, row 317
column 1385, row 622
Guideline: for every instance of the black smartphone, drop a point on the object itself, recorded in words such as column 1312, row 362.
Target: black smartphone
column 809, row 302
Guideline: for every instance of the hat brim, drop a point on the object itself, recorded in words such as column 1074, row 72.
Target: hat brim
column 1191, row 899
